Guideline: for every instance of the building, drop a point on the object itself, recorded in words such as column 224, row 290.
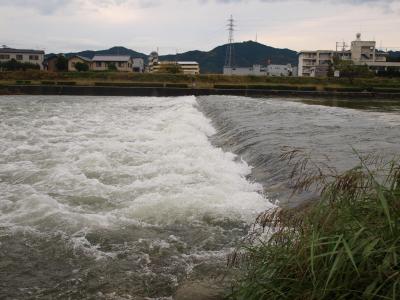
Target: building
column 138, row 65
column 316, row 63
column 255, row 70
column 50, row 63
column 122, row 63
column 281, row 70
column 187, row 67
column 72, row 61
column 258, row 70
column 22, row 55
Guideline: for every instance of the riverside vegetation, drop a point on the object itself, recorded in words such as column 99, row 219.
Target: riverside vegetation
column 345, row 246
column 35, row 77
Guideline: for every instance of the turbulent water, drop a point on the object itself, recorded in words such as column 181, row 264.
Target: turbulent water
column 126, row 198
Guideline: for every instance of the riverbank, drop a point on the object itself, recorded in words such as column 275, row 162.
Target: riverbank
column 344, row 246
column 131, row 84
column 169, row 91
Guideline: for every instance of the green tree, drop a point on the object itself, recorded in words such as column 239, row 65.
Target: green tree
column 349, row 70
column 62, row 63
column 81, row 67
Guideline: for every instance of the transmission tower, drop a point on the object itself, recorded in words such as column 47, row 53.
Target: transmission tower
column 230, row 56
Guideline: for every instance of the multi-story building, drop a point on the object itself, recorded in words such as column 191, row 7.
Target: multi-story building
column 316, row 63
column 258, row 70
column 22, row 55
column 187, row 67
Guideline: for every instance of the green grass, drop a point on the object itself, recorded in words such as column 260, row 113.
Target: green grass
column 208, row 80
column 346, row 246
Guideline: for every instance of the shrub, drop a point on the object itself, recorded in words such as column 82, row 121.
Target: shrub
column 81, row 67
column 66, row 83
column 48, row 82
column 13, row 65
column 130, row 84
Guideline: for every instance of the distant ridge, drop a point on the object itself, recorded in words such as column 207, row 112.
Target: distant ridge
column 246, row 55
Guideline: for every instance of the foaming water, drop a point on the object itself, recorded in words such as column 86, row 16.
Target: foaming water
column 115, row 197
column 256, row 129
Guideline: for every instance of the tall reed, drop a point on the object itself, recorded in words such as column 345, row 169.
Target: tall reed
column 345, row 246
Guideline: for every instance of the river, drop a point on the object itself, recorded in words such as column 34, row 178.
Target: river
column 132, row 198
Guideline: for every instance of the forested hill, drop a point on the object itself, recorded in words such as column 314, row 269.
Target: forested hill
column 246, row 54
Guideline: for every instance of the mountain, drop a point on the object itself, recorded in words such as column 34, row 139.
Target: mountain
column 394, row 56
column 246, row 54
column 111, row 51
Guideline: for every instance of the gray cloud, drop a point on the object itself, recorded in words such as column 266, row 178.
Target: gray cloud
column 50, row 6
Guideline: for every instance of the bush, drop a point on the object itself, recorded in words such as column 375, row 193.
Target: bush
column 81, row 67
column 23, row 82
column 347, row 246
column 66, row 83
column 13, row 65
column 130, row 84
column 48, row 82
column 112, row 67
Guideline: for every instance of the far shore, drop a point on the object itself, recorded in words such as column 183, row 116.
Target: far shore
column 134, row 84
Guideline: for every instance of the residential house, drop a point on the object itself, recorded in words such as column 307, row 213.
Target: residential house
column 72, row 61
column 122, row 63
column 22, row 55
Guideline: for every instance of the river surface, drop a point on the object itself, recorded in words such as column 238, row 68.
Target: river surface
column 134, row 198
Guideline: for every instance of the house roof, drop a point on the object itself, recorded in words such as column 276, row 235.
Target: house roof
column 111, row 58
column 188, row 63
column 18, row 51
column 82, row 57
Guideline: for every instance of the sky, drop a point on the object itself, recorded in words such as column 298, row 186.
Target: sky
column 173, row 26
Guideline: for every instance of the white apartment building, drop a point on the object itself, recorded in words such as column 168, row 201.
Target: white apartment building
column 258, row 70
column 187, row 67
column 316, row 63
column 22, row 55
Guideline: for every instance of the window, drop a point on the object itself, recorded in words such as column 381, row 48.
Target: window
column 120, row 64
column 4, row 56
column 19, row 57
column 98, row 64
column 33, row 57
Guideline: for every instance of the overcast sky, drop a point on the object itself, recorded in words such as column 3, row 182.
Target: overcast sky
column 182, row 25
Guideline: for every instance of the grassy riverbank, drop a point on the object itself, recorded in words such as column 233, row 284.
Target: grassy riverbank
column 345, row 247
column 200, row 81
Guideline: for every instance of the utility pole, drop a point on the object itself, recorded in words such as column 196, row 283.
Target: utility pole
column 229, row 61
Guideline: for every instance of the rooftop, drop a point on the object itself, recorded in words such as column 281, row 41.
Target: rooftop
column 20, row 51
column 188, row 63
column 111, row 58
